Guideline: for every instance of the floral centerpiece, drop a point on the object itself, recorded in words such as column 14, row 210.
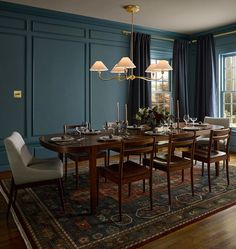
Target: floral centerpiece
column 150, row 117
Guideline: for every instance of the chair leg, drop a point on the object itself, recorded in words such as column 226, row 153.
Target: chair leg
column 98, row 173
column 59, row 184
column 14, row 199
column 129, row 185
column 66, row 167
column 140, row 159
column 202, row 168
column 108, row 157
column 209, row 176
column 143, row 185
column 192, row 186
column 227, row 170
column 168, row 184
column 10, row 197
column 76, row 174
column 150, row 192
column 182, row 175
column 120, row 200
column 105, row 160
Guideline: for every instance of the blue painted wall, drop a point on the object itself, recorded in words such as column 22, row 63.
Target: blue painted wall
column 47, row 55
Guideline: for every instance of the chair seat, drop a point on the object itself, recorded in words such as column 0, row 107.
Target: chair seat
column 84, row 155
column 204, row 141
column 43, row 170
column 160, row 162
column 202, row 155
column 130, row 170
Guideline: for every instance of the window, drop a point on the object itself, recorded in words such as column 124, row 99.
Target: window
column 161, row 95
column 229, row 87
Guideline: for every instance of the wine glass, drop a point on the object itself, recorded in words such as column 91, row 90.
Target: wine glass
column 193, row 119
column 186, row 119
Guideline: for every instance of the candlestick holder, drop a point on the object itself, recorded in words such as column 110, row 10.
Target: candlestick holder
column 178, row 127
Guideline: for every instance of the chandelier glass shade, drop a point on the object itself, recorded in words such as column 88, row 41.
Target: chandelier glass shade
column 123, row 70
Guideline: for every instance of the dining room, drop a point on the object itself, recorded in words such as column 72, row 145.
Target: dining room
column 119, row 74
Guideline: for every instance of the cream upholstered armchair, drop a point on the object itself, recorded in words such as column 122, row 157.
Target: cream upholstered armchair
column 28, row 171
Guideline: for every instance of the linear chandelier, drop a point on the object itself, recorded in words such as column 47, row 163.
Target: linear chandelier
column 124, row 68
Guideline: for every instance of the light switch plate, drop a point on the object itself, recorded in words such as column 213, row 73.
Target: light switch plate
column 17, row 94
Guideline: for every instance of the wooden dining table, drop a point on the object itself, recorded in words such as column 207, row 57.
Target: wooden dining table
column 92, row 143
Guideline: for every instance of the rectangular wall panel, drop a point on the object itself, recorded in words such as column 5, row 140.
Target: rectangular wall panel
column 12, row 23
column 12, row 77
column 58, row 84
column 58, row 29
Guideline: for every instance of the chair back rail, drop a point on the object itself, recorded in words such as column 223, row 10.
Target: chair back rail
column 136, row 146
column 216, row 136
column 185, row 140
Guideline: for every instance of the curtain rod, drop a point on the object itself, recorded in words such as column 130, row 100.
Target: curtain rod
column 124, row 32
column 220, row 34
column 226, row 33
column 170, row 39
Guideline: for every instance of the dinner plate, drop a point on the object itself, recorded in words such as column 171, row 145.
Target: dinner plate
column 151, row 133
column 93, row 132
column 107, row 138
column 61, row 139
column 201, row 125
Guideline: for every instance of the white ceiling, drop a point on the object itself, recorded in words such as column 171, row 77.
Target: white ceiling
column 183, row 16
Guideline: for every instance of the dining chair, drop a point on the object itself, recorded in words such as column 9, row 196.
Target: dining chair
column 79, row 156
column 203, row 140
column 217, row 150
column 28, row 171
column 172, row 160
column 128, row 171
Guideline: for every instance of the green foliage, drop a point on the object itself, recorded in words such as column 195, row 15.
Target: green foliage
column 150, row 116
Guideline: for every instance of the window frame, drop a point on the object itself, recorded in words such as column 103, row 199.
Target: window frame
column 222, row 88
column 169, row 81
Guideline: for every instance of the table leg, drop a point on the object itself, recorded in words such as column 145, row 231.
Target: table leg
column 93, row 179
column 217, row 166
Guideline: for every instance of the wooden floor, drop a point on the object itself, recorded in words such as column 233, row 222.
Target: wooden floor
column 215, row 232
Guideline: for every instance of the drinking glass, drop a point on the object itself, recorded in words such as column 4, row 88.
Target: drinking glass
column 186, row 119
column 193, row 119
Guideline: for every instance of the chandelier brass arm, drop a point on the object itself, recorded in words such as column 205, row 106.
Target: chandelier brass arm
column 126, row 64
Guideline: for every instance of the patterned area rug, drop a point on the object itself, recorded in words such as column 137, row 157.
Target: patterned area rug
column 39, row 210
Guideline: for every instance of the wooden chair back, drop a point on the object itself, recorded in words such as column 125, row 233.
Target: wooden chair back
column 66, row 128
column 181, row 141
column 137, row 146
column 219, row 137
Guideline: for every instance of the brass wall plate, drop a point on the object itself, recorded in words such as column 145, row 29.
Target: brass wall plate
column 17, row 94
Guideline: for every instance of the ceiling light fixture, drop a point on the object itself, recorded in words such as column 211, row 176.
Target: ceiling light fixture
column 124, row 68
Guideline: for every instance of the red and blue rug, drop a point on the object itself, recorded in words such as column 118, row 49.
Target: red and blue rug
column 39, row 210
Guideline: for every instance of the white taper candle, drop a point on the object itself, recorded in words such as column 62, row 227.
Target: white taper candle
column 118, row 111
column 126, row 113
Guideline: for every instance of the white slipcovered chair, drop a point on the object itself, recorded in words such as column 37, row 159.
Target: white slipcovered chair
column 28, row 171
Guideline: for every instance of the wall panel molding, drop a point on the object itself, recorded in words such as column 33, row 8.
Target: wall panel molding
column 59, row 29
column 12, row 23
